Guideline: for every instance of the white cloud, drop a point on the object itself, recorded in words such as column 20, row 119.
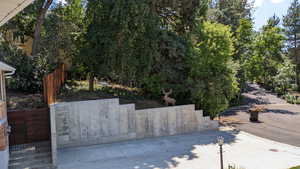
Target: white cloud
column 258, row 3
column 276, row 1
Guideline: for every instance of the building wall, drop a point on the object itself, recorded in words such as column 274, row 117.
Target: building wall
column 105, row 121
column 4, row 159
column 3, row 137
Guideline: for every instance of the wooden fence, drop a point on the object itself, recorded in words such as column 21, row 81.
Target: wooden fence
column 52, row 83
column 29, row 126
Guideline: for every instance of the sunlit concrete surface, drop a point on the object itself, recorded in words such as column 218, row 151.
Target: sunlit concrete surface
column 193, row 151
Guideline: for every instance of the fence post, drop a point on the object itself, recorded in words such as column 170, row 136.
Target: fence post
column 45, row 82
column 52, row 83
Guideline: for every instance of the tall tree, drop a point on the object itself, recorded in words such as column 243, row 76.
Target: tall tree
column 267, row 56
column 213, row 73
column 229, row 12
column 38, row 26
column 121, row 40
column 244, row 40
column 243, row 49
column 180, row 16
column 292, row 30
column 63, row 29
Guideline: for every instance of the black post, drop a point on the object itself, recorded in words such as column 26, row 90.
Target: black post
column 221, row 156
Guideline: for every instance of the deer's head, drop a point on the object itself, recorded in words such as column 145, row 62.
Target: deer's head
column 167, row 93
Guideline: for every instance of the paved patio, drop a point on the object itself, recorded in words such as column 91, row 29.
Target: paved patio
column 192, row 151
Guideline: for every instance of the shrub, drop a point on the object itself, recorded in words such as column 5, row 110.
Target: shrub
column 285, row 77
column 29, row 71
column 291, row 98
column 213, row 73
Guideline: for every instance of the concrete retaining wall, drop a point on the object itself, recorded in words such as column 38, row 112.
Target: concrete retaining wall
column 105, row 121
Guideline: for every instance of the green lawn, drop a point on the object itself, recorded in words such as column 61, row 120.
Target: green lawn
column 297, row 167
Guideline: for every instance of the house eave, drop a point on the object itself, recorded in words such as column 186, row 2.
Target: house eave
column 10, row 8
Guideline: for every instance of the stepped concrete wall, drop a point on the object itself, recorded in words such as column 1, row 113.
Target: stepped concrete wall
column 105, row 121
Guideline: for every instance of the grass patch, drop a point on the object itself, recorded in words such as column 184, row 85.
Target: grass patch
column 19, row 100
column 297, row 167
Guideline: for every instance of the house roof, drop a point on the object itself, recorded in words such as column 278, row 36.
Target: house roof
column 6, row 67
column 10, row 8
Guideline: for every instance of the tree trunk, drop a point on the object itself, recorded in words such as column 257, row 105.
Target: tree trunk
column 38, row 27
column 91, row 82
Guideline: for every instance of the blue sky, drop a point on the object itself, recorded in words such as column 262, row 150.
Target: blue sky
column 264, row 9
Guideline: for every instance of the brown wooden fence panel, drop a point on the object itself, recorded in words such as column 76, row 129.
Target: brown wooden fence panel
column 29, row 126
column 2, row 110
column 3, row 137
column 52, row 83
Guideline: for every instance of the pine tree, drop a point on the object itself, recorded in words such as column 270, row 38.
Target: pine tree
column 292, row 30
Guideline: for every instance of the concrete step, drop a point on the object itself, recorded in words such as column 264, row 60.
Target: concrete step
column 35, row 166
column 28, row 149
column 32, row 163
column 21, row 158
column 30, row 156
column 24, row 146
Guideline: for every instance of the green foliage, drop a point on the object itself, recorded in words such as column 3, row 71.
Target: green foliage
column 292, row 99
column 291, row 24
column 285, row 77
column 22, row 24
column 158, row 44
column 121, row 40
column 267, row 56
column 292, row 32
column 29, row 71
column 244, row 49
column 212, row 75
column 180, row 16
column 244, row 41
column 230, row 12
column 170, row 69
column 63, row 31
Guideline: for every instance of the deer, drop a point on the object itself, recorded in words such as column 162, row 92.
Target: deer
column 168, row 100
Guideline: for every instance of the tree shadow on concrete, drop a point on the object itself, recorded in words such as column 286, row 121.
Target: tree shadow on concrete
column 162, row 153
column 186, row 149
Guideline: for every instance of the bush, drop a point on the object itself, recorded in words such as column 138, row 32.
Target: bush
column 291, row 99
column 29, row 71
column 284, row 80
column 213, row 73
column 169, row 69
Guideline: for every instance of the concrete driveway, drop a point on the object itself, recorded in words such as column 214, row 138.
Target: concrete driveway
column 192, row 151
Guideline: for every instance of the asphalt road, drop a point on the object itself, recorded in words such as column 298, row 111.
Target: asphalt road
column 280, row 121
